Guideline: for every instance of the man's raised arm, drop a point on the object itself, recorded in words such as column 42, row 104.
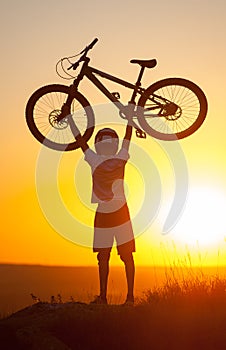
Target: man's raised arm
column 75, row 131
column 127, row 137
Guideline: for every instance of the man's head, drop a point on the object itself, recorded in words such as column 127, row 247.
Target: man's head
column 106, row 142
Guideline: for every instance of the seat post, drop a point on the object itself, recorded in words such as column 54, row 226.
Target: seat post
column 140, row 76
column 138, row 83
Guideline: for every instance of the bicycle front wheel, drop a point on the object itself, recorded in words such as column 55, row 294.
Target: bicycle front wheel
column 42, row 116
column 172, row 109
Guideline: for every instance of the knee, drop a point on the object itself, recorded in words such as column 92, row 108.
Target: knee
column 127, row 258
column 103, row 256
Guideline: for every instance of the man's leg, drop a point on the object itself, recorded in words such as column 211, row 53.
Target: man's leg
column 103, row 261
column 127, row 258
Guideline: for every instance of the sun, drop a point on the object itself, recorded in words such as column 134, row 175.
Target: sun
column 203, row 221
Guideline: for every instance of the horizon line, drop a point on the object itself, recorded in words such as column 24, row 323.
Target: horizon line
column 88, row 266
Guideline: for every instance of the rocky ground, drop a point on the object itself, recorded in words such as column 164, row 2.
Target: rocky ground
column 199, row 324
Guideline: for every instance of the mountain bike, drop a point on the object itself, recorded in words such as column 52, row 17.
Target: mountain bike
column 169, row 109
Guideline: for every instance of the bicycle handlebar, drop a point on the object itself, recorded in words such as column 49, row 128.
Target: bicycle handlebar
column 84, row 51
column 92, row 44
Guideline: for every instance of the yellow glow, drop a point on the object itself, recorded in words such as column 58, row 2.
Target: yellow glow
column 204, row 219
column 28, row 60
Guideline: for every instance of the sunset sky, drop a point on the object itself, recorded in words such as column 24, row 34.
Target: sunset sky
column 188, row 40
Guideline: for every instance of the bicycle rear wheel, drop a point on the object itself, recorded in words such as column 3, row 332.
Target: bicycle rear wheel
column 42, row 116
column 172, row 108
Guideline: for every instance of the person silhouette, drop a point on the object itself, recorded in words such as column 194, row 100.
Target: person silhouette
column 112, row 218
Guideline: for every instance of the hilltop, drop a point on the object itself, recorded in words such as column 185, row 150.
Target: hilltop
column 175, row 323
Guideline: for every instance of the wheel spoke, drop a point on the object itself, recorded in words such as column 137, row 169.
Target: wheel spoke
column 186, row 100
column 179, row 105
column 52, row 103
column 45, row 119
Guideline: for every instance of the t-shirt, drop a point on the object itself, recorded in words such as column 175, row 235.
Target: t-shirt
column 107, row 175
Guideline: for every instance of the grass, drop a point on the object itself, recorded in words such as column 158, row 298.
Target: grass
column 187, row 291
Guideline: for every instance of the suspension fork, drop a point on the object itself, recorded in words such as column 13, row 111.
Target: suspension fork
column 65, row 110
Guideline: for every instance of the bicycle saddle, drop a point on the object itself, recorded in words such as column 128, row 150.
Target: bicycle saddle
column 145, row 63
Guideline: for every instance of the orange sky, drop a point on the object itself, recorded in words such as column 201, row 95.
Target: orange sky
column 187, row 40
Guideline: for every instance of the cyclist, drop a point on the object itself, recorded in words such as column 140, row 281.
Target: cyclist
column 112, row 219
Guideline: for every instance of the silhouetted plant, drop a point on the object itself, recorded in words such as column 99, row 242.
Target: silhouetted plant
column 59, row 298
column 53, row 300
column 34, row 298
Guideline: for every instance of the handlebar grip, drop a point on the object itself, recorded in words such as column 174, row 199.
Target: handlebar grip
column 93, row 43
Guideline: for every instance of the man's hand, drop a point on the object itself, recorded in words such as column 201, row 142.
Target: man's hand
column 82, row 143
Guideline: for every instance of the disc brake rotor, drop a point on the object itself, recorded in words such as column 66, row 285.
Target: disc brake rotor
column 55, row 122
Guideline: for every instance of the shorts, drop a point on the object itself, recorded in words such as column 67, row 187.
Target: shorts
column 113, row 225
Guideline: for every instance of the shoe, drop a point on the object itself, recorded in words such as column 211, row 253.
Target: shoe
column 129, row 301
column 99, row 300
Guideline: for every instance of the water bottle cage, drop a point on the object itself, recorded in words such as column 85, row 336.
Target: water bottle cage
column 116, row 95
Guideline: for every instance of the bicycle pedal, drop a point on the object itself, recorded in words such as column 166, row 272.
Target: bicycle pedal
column 141, row 134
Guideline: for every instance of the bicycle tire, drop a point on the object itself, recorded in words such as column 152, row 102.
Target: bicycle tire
column 187, row 95
column 44, row 105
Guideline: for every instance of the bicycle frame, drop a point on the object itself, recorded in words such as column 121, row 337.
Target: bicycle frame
column 126, row 111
